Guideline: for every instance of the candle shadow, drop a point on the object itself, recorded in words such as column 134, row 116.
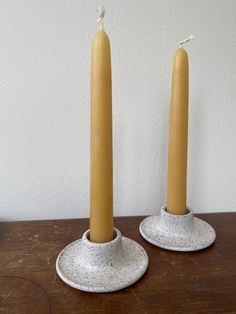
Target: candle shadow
column 163, row 157
column 196, row 192
column 140, row 161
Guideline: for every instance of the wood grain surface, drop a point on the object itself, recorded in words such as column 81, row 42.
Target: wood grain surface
column 198, row 282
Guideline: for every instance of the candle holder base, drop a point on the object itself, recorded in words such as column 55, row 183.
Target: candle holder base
column 102, row 267
column 177, row 232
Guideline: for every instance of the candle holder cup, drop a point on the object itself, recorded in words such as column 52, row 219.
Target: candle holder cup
column 102, row 267
column 177, row 232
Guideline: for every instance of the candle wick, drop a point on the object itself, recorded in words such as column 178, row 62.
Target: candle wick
column 191, row 37
column 101, row 15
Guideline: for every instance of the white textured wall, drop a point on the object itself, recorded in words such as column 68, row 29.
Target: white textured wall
column 44, row 104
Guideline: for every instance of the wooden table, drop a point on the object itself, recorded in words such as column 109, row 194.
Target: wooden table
column 200, row 282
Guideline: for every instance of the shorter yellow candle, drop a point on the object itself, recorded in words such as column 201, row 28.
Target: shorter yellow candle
column 178, row 134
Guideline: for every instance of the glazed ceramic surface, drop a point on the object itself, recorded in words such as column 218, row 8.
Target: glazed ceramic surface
column 102, row 267
column 177, row 232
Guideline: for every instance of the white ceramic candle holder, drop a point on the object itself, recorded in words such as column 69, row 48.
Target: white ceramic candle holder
column 177, row 232
column 102, row 267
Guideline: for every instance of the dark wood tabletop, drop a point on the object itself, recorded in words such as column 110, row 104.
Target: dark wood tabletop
column 197, row 282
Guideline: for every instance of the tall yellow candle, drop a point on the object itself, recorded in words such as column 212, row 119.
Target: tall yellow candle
column 101, row 181
column 178, row 134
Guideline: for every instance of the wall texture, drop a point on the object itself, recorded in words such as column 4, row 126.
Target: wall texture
column 44, row 100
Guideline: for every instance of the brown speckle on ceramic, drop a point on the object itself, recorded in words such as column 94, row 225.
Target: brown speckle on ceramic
column 177, row 232
column 102, row 267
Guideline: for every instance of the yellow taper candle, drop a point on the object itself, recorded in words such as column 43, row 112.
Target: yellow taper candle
column 101, row 182
column 178, row 134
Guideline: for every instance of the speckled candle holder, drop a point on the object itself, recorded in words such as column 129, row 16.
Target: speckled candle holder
column 102, row 267
column 177, row 232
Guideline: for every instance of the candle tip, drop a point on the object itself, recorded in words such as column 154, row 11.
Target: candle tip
column 101, row 14
column 191, row 37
